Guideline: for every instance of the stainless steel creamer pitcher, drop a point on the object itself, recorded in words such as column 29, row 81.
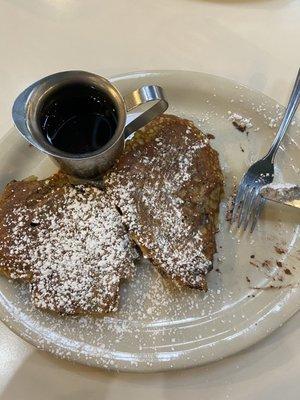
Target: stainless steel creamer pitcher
column 28, row 112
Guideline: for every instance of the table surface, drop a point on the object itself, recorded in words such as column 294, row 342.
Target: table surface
column 255, row 42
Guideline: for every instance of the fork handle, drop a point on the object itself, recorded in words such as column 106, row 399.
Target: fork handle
column 289, row 113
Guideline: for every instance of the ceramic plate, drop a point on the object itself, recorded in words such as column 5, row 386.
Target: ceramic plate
column 253, row 288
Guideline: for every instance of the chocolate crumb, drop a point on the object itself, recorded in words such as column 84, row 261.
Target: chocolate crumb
column 239, row 126
column 287, row 271
column 217, row 270
column 230, row 204
column 210, row 136
column 266, row 263
column 229, row 215
column 34, row 224
column 254, row 264
column 279, row 264
column 247, row 279
column 279, row 250
column 242, row 149
column 252, row 256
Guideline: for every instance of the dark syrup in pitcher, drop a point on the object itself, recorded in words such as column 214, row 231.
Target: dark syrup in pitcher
column 78, row 119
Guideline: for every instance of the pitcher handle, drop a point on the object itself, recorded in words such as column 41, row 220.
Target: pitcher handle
column 143, row 95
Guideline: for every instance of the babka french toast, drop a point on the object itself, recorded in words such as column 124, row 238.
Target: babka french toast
column 68, row 241
column 167, row 186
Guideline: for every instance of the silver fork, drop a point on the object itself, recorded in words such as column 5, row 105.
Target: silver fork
column 248, row 202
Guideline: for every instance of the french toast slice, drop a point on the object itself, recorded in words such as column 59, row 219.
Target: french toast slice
column 25, row 194
column 68, row 241
column 167, row 186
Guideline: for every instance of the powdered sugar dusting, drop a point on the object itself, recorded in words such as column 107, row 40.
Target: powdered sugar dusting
column 77, row 249
column 155, row 195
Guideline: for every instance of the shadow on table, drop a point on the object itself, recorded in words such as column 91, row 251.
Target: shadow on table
column 43, row 375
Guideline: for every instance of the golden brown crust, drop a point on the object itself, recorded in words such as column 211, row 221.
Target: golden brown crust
column 167, row 185
column 67, row 241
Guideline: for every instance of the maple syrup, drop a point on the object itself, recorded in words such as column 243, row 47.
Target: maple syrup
column 78, row 119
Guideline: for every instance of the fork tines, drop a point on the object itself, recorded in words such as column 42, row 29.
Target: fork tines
column 248, row 204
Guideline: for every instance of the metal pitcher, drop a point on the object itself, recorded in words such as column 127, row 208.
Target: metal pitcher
column 28, row 105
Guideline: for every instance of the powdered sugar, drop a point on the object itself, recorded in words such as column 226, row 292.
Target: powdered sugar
column 77, row 249
column 242, row 121
column 156, row 201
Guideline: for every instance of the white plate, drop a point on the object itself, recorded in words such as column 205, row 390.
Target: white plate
column 160, row 327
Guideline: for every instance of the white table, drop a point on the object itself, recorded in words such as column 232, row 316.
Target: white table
column 255, row 42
